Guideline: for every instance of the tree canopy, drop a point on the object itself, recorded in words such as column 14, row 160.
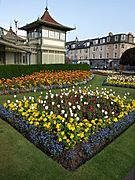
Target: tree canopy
column 128, row 57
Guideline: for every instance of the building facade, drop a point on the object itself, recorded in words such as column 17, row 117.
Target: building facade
column 104, row 52
column 45, row 43
column 12, row 48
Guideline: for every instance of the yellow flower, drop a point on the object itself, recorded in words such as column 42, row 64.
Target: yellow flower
column 72, row 128
column 69, row 126
column 71, row 120
column 89, row 124
column 20, row 110
column 68, row 140
column 5, row 104
column 80, row 124
column 60, row 139
column 100, row 120
column 36, row 114
column 82, row 134
column 121, row 115
column 23, row 113
column 62, row 133
column 59, row 117
column 85, row 120
column 40, row 119
column 58, row 126
column 47, row 125
column 64, row 137
column 115, row 119
column 86, row 130
column 36, row 123
column 93, row 121
column 45, row 119
column 71, row 136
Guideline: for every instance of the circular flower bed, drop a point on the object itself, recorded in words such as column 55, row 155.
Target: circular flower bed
column 71, row 126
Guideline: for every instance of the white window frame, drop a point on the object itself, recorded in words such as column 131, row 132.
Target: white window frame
column 45, row 33
column 51, row 34
column 62, row 36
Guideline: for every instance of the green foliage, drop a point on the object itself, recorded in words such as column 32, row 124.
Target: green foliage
column 8, row 71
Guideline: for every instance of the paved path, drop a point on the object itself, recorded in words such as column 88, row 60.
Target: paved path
column 130, row 175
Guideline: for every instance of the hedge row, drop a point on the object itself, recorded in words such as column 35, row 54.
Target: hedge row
column 8, row 71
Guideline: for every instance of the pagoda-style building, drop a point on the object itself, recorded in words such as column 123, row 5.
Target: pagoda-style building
column 46, row 39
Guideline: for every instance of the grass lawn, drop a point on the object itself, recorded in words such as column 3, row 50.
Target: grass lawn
column 20, row 160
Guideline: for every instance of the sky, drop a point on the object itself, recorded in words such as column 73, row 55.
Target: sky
column 92, row 18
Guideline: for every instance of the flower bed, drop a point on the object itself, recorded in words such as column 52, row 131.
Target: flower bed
column 72, row 126
column 120, row 81
column 104, row 72
column 44, row 80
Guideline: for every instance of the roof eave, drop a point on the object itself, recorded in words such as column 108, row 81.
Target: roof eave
column 41, row 22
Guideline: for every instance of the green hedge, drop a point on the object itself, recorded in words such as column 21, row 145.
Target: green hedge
column 9, row 71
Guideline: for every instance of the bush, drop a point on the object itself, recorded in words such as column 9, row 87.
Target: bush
column 8, row 71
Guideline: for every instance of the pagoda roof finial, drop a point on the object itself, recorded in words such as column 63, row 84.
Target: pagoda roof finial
column 10, row 25
column 46, row 5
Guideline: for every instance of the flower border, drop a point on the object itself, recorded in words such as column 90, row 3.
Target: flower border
column 73, row 158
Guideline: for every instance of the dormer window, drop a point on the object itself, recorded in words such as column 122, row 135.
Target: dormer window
column 116, row 38
column 102, row 41
column 108, row 39
column 95, row 41
column 123, row 37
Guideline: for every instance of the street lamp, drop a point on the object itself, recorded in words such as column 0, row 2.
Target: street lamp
column 76, row 43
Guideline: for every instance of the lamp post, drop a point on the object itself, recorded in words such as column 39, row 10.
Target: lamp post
column 76, row 42
column 16, row 61
column 16, row 26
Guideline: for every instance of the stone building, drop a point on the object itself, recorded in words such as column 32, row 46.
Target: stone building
column 104, row 52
